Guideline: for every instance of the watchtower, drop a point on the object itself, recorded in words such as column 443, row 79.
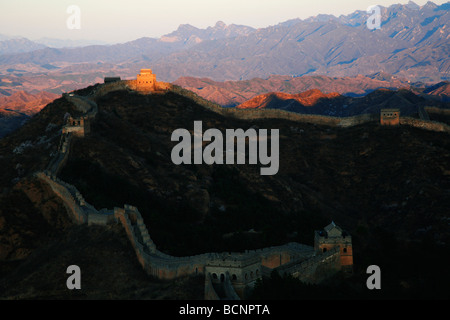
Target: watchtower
column 78, row 126
column 332, row 236
column 111, row 79
column 390, row 117
column 146, row 80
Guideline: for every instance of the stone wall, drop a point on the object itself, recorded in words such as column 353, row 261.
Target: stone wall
column 81, row 103
column 210, row 292
column 251, row 114
column 244, row 267
column 247, row 266
column 424, row 124
column 61, row 157
column 109, row 87
column 229, row 290
column 71, row 202
column 314, row 269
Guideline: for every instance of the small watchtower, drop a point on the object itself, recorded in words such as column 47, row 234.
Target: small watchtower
column 332, row 236
column 79, row 126
column 111, row 79
column 146, row 80
column 390, row 117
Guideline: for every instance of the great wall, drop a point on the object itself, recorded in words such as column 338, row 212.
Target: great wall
column 227, row 275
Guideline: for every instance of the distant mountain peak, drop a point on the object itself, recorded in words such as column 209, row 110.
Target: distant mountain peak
column 191, row 35
column 220, row 24
column 430, row 5
column 412, row 5
column 186, row 27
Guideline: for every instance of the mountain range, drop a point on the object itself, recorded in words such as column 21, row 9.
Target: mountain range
column 233, row 93
column 412, row 43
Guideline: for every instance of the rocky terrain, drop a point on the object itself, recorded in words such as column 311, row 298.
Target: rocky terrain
column 27, row 103
column 440, row 91
column 389, row 187
column 17, row 108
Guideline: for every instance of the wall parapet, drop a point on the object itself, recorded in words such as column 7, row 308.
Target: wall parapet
column 425, row 124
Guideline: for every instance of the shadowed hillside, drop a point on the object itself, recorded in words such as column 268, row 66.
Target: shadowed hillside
column 388, row 186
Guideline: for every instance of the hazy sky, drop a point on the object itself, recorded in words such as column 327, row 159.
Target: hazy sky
column 125, row 20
